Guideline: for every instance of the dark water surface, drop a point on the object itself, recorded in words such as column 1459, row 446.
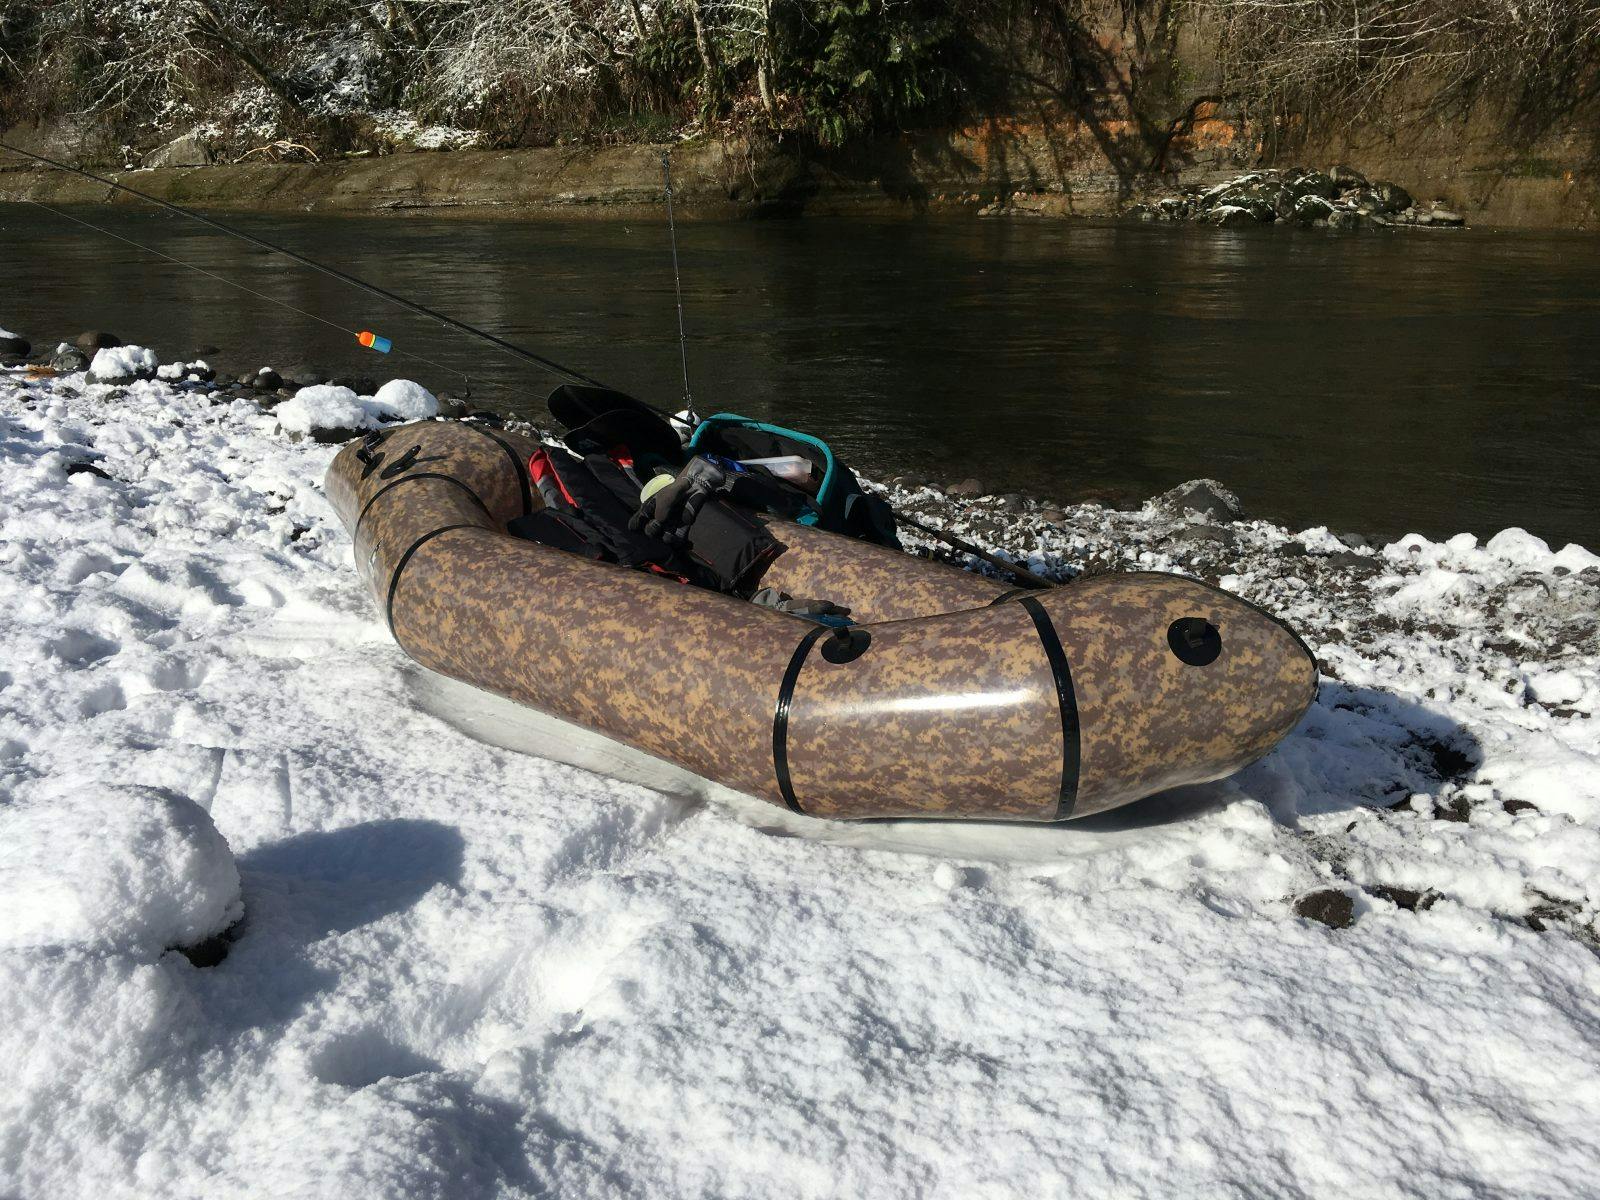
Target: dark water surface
column 1431, row 381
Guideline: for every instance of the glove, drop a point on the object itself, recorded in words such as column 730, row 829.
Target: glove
column 669, row 513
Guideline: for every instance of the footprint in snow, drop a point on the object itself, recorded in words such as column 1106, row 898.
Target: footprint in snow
column 106, row 698
column 81, row 648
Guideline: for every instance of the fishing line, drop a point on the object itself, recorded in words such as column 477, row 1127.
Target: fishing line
column 499, row 343
column 677, row 286
column 411, row 354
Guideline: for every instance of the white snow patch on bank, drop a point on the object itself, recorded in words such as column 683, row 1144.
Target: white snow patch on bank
column 328, row 406
column 463, row 971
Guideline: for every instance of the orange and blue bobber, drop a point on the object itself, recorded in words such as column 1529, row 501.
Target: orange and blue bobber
column 373, row 341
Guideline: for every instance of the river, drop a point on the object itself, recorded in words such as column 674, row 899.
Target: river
column 1435, row 381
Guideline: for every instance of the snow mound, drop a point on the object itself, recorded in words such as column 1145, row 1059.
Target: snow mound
column 329, row 406
column 402, row 400
column 133, row 869
column 325, row 406
column 113, row 364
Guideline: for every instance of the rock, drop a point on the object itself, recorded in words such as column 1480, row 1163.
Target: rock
column 1356, row 541
column 1231, row 216
column 303, row 376
column 265, row 380
column 1206, row 497
column 1355, row 564
column 14, row 345
column 1052, row 516
column 119, row 364
column 1515, row 806
column 186, row 150
column 69, row 359
column 1406, row 898
column 361, row 385
column 453, row 407
column 96, row 340
column 1329, row 906
column 1346, row 218
column 1443, row 216
column 1391, row 197
column 87, row 468
column 1013, row 502
column 967, row 487
column 1191, row 535
column 1310, row 209
column 1347, row 178
column 206, row 352
column 1312, row 183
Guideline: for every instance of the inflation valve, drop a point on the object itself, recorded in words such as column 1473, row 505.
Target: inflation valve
column 1194, row 640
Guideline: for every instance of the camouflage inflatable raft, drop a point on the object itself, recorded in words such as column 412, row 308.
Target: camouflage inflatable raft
column 953, row 696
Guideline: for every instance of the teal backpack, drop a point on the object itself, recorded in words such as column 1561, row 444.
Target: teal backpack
column 838, row 504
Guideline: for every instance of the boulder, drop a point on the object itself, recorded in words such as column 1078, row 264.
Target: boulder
column 1347, row 178
column 120, row 364
column 95, row 340
column 1346, row 218
column 1309, row 209
column 1206, row 497
column 1443, row 216
column 1312, row 183
column 303, row 376
column 361, row 385
column 13, row 345
column 264, row 380
column 967, row 487
column 1391, row 197
column 69, row 359
column 1231, row 216
column 186, row 150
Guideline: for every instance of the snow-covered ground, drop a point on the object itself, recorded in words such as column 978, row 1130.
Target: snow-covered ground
column 439, row 968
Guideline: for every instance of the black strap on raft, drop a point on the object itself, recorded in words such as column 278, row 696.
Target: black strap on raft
column 399, row 567
column 1067, row 699
column 518, row 467
column 389, row 487
column 780, row 716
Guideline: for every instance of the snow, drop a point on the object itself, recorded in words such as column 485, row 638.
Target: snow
column 135, row 869
column 113, row 363
column 402, row 400
column 453, row 969
column 328, row 406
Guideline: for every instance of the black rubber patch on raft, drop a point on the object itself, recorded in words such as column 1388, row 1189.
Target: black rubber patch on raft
column 517, row 465
column 780, row 716
column 1067, row 697
column 389, row 487
column 394, row 580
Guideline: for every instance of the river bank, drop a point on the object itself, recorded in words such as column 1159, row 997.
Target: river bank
column 276, row 925
column 1014, row 171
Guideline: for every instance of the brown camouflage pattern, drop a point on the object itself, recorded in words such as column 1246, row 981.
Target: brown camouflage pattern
column 951, row 711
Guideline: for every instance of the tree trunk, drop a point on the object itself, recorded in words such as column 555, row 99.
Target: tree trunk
column 703, row 43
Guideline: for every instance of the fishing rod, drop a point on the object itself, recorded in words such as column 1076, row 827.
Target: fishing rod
column 677, row 284
column 369, row 340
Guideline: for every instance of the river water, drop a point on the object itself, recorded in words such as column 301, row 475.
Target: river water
column 1383, row 382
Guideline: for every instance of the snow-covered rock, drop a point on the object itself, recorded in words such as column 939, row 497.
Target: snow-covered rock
column 327, row 408
column 13, row 345
column 119, row 364
column 133, row 869
column 402, row 400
